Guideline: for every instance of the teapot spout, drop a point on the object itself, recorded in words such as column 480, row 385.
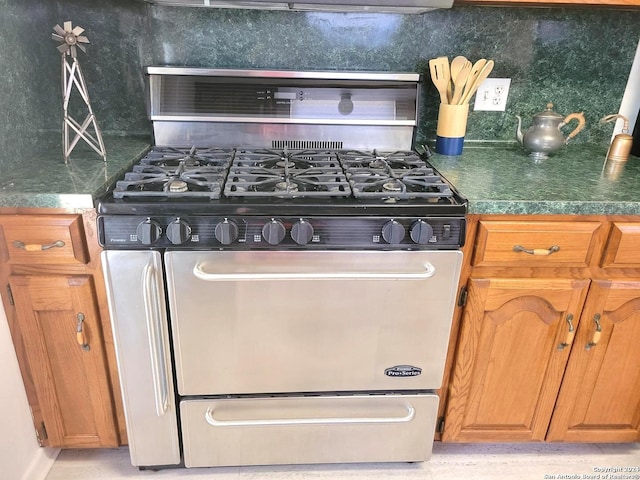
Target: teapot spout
column 519, row 135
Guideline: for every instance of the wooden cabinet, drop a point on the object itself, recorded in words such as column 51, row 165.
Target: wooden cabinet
column 59, row 321
column 56, row 308
column 511, row 357
column 553, row 3
column 600, row 396
column 547, row 346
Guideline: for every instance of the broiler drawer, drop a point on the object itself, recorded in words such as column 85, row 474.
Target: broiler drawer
column 308, row 429
column 43, row 239
column 535, row 244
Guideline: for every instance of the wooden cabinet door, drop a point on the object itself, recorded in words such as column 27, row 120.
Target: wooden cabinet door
column 509, row 362
column 600, row 396
column 559, row 3
column 71, row 382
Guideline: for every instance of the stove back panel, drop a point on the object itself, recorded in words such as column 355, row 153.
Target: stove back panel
column 230, row 108
column 297, row 136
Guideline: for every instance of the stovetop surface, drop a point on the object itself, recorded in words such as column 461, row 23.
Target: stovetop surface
column 189, row 180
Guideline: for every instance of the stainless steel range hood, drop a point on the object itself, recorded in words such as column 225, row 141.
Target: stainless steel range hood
column 384, row 6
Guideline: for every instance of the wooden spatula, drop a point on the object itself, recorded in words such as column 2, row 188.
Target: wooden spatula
column 440, row 76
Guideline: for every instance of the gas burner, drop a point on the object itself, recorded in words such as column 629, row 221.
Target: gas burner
column 392, row 186
column 285, row 164
column 178, row 186
column 286, row 187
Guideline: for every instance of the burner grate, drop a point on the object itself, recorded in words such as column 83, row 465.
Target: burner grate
column 301, row 173
column 177, row 172
column 395, row 175
column 210, row 173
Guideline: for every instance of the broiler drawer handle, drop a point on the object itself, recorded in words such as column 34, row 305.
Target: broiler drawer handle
column 537, row 251
column 211, row 420
column 199, row 272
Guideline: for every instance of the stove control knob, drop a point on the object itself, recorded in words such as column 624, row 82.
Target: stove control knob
column 393, row 232
column 226, row 232
column 178, row 232
column 302, row 232
column 148, row 232
column 421, row 232
column 273, row 232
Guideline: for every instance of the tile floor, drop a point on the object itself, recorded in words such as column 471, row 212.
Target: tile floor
column 537, row 461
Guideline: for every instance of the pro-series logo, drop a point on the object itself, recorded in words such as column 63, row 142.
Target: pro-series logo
column 403, row 371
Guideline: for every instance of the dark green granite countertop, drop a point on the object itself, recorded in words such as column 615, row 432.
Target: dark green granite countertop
column 496, row 178
column 500, row 178
column 42, row 180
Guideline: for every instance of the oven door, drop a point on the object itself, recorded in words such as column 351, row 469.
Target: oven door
column 310, row 321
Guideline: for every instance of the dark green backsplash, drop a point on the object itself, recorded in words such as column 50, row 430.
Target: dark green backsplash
column 577, row 58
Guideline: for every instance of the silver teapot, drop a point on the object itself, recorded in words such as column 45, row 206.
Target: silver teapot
column 544, row 135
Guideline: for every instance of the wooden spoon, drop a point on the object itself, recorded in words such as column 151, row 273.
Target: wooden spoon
column 460, row 81
column 440, row 76
column 473, row 74
column 456, row 65
column 480, row 77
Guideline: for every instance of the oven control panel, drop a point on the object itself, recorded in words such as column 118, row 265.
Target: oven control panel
column 259, row 232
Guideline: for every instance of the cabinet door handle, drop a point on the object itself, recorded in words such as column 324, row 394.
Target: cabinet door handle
column 80, row 337
column 537, row 251
column 596, row 334
column 32, row 247
column 570, row 333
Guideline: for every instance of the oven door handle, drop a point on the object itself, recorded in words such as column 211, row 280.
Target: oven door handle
column 199, row 272
column 154, row 329
column 211, row 420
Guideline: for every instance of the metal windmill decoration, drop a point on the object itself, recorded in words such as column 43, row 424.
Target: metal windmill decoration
column 71, row 39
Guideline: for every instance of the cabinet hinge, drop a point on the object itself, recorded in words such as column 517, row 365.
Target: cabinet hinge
column 42, row 434
column 440, row 425
column 10, row 294
column 462, row 297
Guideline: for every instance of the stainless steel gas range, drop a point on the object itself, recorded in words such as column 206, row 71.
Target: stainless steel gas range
column 281, row 270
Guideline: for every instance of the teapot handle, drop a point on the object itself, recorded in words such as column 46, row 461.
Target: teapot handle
column 581, row 123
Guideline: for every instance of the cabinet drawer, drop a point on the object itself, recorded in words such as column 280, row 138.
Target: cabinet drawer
column 43, row 239
column 535, row 244
column 623, row 248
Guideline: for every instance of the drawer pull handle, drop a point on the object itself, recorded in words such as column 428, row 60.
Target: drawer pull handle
column 596, row 335
column 81, row 339
column 199, row 272
column 32, row 247
column 570, row 333
column 537, row 251
column 214, row 422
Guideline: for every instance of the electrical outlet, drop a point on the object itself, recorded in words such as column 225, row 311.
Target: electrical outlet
column 492, row 95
